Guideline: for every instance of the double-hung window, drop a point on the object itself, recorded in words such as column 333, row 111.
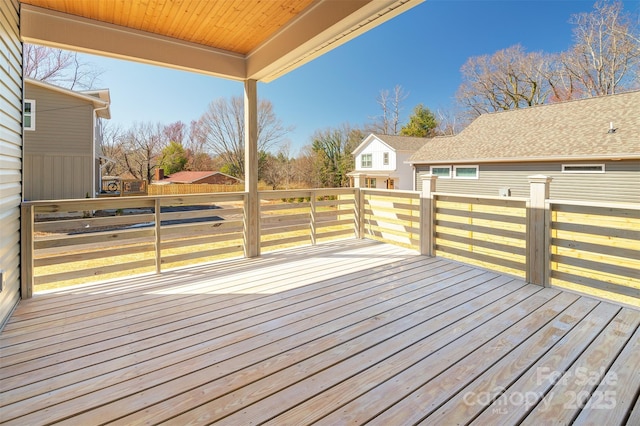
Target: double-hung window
column 29, row 115
column 366, row 161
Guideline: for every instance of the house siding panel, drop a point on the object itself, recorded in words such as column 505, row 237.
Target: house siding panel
column 64, row 124
column 58, row 160
column 10, row 155
column 57, row 177
column 377, row 150
column 620, row 183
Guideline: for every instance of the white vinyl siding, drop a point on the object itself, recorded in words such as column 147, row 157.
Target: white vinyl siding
column 10, row 155
column 376, row 156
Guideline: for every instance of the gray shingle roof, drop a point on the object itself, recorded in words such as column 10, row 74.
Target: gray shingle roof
column 567, row 130
column 402, row 143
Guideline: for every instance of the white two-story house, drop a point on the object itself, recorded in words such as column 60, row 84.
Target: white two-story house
column 381, row 162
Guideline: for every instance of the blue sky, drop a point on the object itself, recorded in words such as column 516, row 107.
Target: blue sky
column 422, row 50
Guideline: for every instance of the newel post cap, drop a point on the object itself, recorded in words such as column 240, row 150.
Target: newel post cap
column 539, row 179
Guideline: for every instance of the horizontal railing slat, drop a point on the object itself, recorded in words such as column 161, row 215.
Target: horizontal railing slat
column 91, row 255
column 597, row 230
column 482, row 257
column 511, row 249
column 609, row 250
column 481, row 229
column 93, row 272
column 595, row 283
column 496, row 217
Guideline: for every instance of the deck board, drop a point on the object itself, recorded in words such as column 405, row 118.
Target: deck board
column 345, row 332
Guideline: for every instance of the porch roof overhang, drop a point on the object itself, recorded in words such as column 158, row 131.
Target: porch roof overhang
column 238, row 40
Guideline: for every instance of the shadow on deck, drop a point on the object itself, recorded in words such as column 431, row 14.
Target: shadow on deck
column 346, row 332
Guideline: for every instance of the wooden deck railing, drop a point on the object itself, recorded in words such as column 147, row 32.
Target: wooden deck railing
column 593, row 248
column 76, row 241
column 488, row 231
column 391, row 216
column 294, row 217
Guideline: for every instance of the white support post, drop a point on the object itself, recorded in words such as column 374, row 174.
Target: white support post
column 252, row 213
column 427, row 216
column 538, row 230
column 357, row 181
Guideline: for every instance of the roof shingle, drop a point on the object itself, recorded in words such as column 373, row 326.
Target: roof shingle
column 568, row 130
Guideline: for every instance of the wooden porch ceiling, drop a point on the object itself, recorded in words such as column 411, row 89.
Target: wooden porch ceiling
column 346, row 332
column 238, row 39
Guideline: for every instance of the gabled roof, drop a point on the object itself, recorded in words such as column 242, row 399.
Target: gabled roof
column 396, row 143
column 574, row 130
column 190, row 176
column 99, row 98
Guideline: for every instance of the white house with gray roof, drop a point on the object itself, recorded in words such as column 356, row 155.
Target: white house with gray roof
column 590, row 147
column 381, row 162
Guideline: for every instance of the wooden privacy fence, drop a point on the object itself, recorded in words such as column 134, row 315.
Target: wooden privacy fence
column 192, row 188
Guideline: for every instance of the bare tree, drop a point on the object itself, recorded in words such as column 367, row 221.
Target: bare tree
column 450, row 122
column 60, row 67
column 606, row 53
column 222, row 127
column 142, row 147
column 508, row 79
column 388, row 123
column 112, row 151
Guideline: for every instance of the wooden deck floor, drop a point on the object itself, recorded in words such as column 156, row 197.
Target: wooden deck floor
column 341, row 333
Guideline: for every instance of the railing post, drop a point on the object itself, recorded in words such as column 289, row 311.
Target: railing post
column 359, row 207
column 27, row 218
column 158, row 241
column 313, row 217
column 538, row 230
column 427, row 217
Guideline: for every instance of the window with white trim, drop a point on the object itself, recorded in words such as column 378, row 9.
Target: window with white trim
column 370, row 183
column 583, row 168
column 366, row 161
column 465, row 172
column 443, row 172
column 29, row 114
column 385, row 158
